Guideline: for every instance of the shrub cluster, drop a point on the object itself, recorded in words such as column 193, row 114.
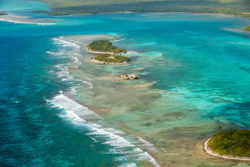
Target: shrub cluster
column 105, row 46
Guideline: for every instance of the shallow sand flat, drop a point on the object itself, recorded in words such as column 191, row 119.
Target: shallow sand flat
column 25, row 20
column 162, row 117
column 200, row 84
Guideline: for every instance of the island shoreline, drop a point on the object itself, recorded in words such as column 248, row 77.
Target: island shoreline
column 208, row 151
column 94, row 60
column 102, row 62
column 240, row 15
column 129, row 12
column 53, row 12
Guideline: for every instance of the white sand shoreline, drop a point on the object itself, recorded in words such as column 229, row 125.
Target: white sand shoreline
column 23, row 20
column 228, row 157
column 103, row 62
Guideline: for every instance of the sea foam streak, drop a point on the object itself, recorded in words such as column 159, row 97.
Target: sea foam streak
column 66, row 43
column 75, row 56
column 72, row 107
column 63, row 73
column 80, row 115
column 24, row 20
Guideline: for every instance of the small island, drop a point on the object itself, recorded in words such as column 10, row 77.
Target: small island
column 246, row 28
column 104, row 47
column 229, row 144
column 106, row 53
column 126, row 76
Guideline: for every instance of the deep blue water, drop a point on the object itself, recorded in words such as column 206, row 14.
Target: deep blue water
column 32, row 134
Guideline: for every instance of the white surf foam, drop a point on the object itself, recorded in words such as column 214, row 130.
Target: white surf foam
column 63, row 73
column 147, row 157
column 72, row 108
column 24, row 21
column 73, row 91
column 89, row 84
column 76, row 60
column 49, row 52
column 78, row 115
column 145, row 143
column 61, row 41
column 75, row 57
column 128, row 165
column 55, row 53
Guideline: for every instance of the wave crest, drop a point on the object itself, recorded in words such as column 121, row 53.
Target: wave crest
column 81, row 116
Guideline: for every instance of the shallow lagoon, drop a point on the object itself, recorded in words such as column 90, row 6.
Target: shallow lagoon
column 176, row 119
column 194, row 72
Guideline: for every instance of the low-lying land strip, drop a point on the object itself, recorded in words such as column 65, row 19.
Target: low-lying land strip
column 62, row 7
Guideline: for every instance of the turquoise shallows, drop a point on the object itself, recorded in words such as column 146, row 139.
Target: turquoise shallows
column 200, row 66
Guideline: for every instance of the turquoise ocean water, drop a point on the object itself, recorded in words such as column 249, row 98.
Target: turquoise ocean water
column 200, row 64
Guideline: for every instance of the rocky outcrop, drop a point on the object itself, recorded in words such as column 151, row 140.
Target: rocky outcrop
column 126, row 76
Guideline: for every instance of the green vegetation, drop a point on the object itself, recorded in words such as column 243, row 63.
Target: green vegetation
column 245, row 14
column 105, row 46
column 106, row 52
column 231, row 142
column 62, row 7
column 107, row 58
column 246, row 28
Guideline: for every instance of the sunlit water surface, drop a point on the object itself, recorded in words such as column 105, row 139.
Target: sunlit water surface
column 195, row 75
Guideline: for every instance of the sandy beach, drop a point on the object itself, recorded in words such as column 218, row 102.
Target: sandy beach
column 102, row 62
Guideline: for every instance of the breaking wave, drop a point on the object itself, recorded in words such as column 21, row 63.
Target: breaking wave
column 81, row 116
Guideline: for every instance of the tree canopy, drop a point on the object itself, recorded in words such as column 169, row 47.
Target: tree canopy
column 105, row 46
column 231, row 142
